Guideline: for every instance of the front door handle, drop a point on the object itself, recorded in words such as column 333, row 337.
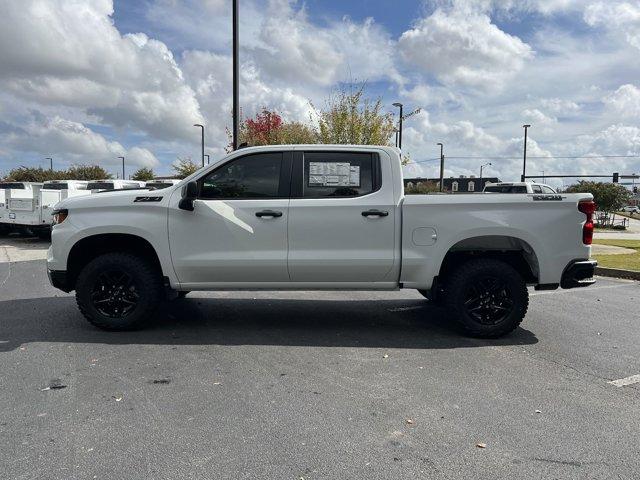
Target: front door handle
column 375, row 213
column 268, row 213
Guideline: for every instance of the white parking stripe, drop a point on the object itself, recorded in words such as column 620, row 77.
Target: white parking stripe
column 621, row 284
column 626, row 381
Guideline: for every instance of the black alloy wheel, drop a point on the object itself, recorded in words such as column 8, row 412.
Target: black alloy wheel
column 115, row 293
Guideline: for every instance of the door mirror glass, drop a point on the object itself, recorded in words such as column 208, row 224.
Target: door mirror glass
column 189, row 194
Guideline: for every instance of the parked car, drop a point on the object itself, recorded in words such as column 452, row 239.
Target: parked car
column 518, row 187
column 631, row 209
column 317, row 217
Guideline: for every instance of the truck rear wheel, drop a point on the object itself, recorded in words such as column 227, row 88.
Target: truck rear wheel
column 118, row 291
column 488, row 298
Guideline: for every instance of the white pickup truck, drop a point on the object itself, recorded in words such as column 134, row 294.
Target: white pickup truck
column 317, row 217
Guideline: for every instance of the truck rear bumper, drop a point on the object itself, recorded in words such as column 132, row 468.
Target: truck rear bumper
column 579, row 273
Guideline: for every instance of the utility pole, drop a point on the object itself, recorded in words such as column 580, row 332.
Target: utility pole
column 202, row 142
column 123, row 177
column 398, row 104
column 524, row 160
column 441, row 166
column 50, row 163
column 481, row 167
column 236, row 75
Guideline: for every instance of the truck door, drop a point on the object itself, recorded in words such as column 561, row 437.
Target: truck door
column 342, row 218
column 237, row 231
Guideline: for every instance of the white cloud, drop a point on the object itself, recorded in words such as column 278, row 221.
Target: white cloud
column 625, row 101
column 616, row 16
column 464, row 48
column 535, row 116
column 70, row 53
column 292, row 49
column 73, row 141
column 559, row 106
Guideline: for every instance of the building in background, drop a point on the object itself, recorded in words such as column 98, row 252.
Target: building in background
column 460, row 184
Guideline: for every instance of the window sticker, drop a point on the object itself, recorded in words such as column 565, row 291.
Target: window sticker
column 333, row 174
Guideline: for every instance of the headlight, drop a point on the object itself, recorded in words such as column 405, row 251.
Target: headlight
column 60, row 215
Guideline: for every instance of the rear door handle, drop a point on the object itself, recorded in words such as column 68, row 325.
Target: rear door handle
column 268, row 213
column 375, row 213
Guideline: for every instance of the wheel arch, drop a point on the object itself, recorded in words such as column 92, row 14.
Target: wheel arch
column 92, row 246
column 510, row 249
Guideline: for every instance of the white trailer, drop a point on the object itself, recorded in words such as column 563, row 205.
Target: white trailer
column 164, row 183
column 22, row 206
column 20, row 190
column 109, row 184
column 54, row 191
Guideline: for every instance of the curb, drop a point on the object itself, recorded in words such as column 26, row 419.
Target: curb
column 617, row 273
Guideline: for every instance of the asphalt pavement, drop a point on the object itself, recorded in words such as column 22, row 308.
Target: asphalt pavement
column 315, row 385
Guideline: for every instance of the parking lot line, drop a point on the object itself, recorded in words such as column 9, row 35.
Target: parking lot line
column 626, row 381
column 621, row 284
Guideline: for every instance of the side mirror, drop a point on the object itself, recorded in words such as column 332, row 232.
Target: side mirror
column 189, row 194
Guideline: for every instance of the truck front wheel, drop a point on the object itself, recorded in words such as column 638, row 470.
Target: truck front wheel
column 118, row 291
column 488, row 298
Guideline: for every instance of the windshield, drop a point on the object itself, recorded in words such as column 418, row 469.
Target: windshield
column 100, row 186
column 158, row 185
column 506, row 189
column 13, row 185
column 56, row 186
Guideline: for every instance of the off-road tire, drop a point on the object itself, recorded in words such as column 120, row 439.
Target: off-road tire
column 144, row 276
column 473, row 276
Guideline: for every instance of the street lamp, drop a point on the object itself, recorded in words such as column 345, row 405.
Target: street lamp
column 236, row 74
column 481, row 167
column 207, row 155
column 399, row 105
column 202, row 143
column 542, row 176
column 122, row 167
column 51, row 163
column 524, row 159
column 441, row 165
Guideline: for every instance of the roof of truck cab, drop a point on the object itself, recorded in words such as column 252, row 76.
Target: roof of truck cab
column 316, row 146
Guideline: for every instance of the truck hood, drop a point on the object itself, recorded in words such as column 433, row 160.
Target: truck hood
column 115, row 198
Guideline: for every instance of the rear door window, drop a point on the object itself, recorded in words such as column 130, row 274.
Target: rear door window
column 337, row 174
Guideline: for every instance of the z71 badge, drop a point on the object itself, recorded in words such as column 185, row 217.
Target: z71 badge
column 148, row 199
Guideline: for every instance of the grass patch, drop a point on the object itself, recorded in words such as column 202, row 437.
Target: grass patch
column 629, row 261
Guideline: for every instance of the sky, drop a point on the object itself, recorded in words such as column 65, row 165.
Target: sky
column 88, row 81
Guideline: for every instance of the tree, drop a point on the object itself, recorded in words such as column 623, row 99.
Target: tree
column 87, row 172
column 352, row 118
column 609, row 197
column 143, row 174
column 421, row 188
column 30, row 174
column 184, row 167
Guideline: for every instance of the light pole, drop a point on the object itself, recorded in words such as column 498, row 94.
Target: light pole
column 441, row 165
column 542, row 176
column 481, row 167
column 236, row 74
column 399, row 105
column 122, row 167
column 207, row 155
column 50, row 163
column 524, row 159
column 202, row 143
